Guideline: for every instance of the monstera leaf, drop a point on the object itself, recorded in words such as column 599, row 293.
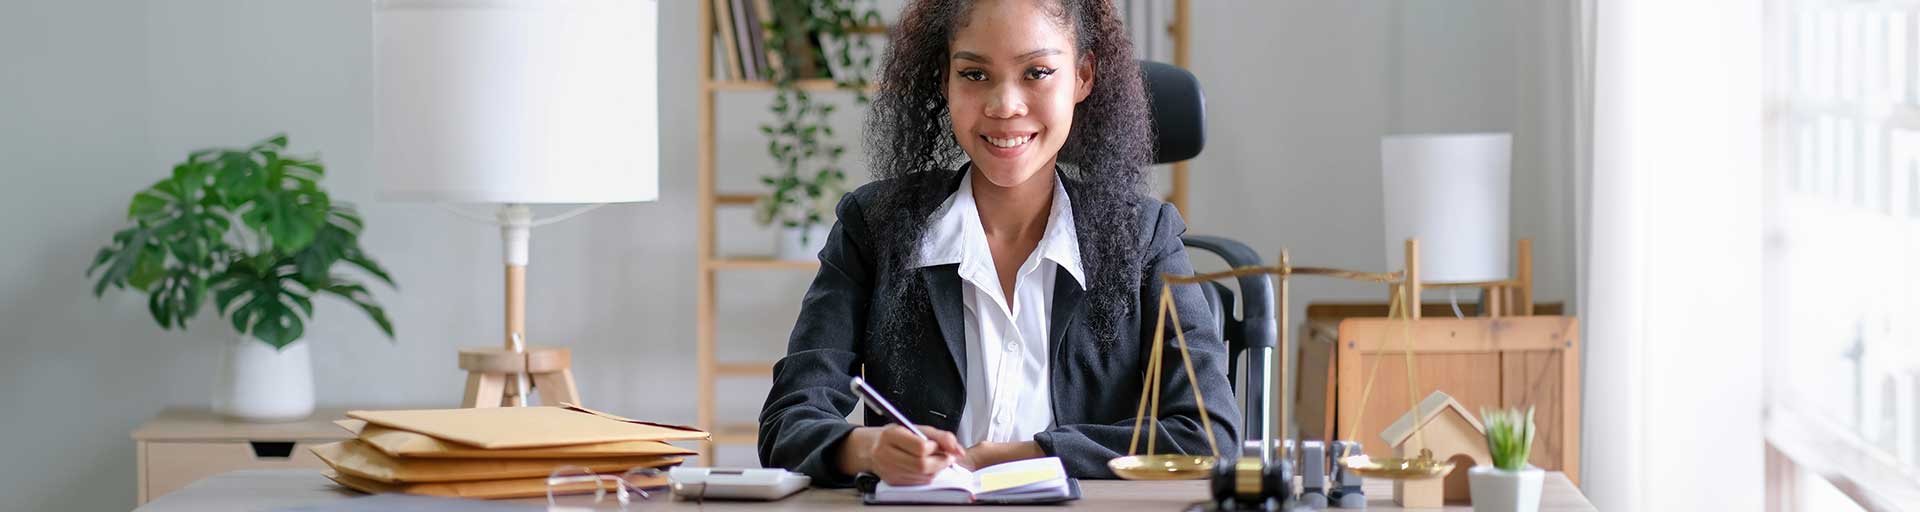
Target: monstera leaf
column 254, row 227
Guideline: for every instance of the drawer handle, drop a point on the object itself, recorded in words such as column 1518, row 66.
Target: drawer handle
column 272, row 449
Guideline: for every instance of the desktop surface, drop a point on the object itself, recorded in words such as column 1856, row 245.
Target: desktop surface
column 255, row 490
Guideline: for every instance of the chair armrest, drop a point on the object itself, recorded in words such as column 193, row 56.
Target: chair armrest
column 1254, row 334
column 1256, row 292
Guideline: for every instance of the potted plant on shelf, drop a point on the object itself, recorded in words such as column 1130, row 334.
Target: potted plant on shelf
column 1510, row 484
column 252, row 230
column 810, row 39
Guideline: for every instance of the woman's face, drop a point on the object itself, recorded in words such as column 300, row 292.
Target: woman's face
column 1012, row 82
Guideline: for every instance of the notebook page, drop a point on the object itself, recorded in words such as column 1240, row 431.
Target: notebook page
column 1022, row 475
column 954, row 477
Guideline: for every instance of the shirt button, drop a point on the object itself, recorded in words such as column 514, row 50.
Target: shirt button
column 1013, row 346
column 1000, row 418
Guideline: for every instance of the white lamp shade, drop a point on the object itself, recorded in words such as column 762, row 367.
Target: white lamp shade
column 1451, row 193
column 516, row 101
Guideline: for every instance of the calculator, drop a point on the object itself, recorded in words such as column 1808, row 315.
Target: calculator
column 753, row 484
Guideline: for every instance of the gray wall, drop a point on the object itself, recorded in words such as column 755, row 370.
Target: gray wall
column 99, row 97
column 1300, row 93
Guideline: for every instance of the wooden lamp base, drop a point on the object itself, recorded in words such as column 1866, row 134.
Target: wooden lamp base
column 491, row 373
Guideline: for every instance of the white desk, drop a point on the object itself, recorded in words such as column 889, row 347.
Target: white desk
column 254, row 490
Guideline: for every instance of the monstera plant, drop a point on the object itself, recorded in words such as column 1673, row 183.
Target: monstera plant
column 252, row 230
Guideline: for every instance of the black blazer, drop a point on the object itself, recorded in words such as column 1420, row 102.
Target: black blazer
column 1095, row 392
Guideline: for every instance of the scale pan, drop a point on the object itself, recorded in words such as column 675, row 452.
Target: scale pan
column 1396, row 469
column 1163, row 467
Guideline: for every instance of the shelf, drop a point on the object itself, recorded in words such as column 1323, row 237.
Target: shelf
column 743, row 369
column 809, row 85
column 736, row 199
column 758, row 263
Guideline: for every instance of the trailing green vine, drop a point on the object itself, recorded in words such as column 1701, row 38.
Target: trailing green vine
column 808, row 179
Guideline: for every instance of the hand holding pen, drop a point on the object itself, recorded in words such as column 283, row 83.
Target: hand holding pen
column 902, row 453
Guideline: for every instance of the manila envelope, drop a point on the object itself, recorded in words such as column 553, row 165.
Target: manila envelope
column 404, row 444
column 481, row 489
column 495, row 428
column 355, row 458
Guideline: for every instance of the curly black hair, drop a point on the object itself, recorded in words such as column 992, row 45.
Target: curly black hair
column 1103, row 164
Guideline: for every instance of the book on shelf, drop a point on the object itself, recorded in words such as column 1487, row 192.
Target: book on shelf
column 764, row 10
column 723, row 25
column 743, row 29
column 751, row 41
column 746, row 51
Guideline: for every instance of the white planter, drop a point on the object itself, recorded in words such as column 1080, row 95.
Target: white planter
column 258, row 383
column 789, row 245
column 1498, row 490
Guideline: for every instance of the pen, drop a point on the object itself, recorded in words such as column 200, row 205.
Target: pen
column 872, row 398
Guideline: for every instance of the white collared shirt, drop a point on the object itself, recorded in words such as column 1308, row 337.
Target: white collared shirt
column 1009, row 397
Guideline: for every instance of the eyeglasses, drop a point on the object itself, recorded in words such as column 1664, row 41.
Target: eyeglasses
column 579, row 488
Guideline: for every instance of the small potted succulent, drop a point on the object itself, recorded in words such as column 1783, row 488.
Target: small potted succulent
column 1510, row 484
column 251, row 231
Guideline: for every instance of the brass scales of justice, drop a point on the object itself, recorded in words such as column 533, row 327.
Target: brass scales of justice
column 1254, row 480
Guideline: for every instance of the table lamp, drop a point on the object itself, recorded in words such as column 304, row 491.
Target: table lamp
column 516, row 102
column 1447, row 198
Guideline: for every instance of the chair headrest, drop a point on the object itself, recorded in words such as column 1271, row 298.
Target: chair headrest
column 1179, row 111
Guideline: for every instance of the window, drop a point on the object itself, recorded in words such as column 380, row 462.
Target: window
column 1842, row 262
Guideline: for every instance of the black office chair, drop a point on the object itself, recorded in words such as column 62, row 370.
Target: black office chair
column 1179, row 125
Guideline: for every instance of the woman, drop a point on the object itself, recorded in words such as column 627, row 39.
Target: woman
column 1006, row 306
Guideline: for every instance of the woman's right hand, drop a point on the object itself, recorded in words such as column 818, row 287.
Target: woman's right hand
column 897, row 456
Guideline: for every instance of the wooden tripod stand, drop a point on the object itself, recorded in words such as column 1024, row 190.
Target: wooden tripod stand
column 494, row 374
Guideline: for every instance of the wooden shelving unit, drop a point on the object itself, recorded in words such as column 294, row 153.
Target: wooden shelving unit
column 809, row 85
column 711, row 264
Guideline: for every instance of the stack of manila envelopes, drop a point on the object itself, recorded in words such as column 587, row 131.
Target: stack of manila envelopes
column 504, row 452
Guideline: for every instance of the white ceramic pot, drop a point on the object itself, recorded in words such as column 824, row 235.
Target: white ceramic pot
column 259, row 383
column 1499, row 490
column 791, row 247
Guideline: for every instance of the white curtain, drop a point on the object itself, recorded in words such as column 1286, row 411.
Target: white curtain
column 1669, row 241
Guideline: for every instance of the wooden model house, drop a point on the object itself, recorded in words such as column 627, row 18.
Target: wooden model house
column 1453, row 434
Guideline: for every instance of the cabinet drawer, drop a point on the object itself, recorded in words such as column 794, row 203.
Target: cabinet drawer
column 172, row 465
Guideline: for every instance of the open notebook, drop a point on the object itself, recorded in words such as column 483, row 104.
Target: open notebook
column 1041, row 480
